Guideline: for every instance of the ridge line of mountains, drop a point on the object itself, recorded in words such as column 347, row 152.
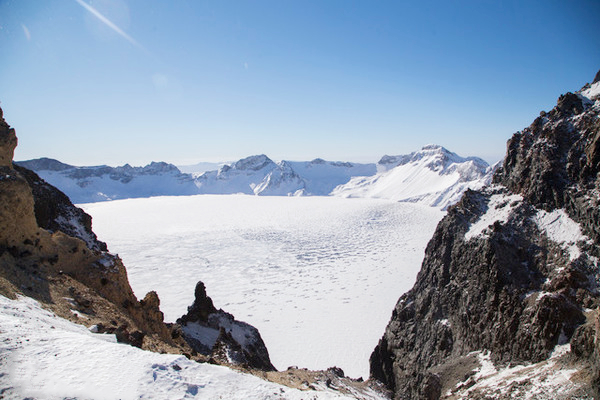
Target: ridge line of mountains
column 433, row 176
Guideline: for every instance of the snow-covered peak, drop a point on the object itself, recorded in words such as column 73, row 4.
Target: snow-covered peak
column 435, row 157
column 100, row 183
column 433, row 176
column 253, row 163
column 591, row 92
column 432, row 169
column 159, row 168
column 262, row 176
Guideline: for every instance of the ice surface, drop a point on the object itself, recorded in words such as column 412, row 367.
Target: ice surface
column 318, row 276
column 46, row 357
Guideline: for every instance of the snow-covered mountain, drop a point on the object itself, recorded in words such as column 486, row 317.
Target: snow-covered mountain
column 497, row 288
column 252, row 175
column 262, row 176
column 432, row 176
column 100, row 183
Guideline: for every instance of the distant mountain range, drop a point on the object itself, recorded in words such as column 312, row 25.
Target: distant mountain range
column 433, row 176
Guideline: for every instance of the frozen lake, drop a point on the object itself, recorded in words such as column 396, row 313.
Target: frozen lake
column 318, row 276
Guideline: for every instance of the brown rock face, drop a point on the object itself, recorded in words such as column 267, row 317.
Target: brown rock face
column 510, row 289
column 48, row 251
column 16, row 203
column 8, row 142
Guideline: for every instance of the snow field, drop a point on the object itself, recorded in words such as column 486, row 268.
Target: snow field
column 318, row 276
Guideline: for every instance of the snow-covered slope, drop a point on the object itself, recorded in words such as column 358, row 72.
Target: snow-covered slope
column 99, row 183
column 321, row 177
column 200, row 168
column 432, row 176
column 44, row 356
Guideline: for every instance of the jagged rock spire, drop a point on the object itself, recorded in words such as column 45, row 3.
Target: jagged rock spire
column 8, row 142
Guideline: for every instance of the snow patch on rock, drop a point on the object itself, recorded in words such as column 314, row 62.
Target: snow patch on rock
column 500, row 208
column 543, row 380
column 561, row 229
column 593, row 92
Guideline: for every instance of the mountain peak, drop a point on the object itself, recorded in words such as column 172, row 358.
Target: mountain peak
column 434, row 155
column 253, row 163
column 45, row 164
column 432, row 146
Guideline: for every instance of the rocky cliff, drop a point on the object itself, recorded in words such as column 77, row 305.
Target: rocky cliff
column 507, row 302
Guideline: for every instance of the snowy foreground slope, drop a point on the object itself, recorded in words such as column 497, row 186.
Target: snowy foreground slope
column 46, row 357
column 432, row 176
column 318, row 276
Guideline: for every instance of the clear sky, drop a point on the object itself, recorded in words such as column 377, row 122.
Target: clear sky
column 116, row 81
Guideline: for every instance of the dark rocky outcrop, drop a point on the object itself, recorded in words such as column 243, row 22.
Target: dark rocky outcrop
column 502, row 275
column 216, row 334
column 55, row 212
column 554, row 163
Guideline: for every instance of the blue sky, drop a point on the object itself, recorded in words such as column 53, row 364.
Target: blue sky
column 116, row 81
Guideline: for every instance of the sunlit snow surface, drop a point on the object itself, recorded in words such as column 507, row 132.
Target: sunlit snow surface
column 318, row 276
column 46, row 357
